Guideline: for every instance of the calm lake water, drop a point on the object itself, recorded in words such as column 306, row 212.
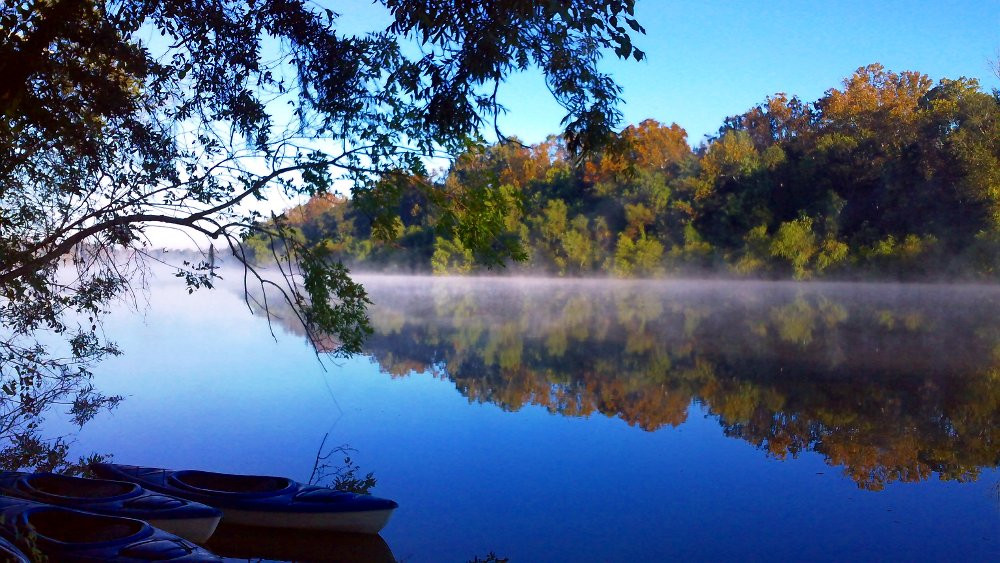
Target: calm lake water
column 599, row 421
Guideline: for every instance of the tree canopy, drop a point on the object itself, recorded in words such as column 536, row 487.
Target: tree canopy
column 123, row 115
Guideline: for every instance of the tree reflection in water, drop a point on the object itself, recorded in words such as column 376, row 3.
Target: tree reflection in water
column 28, row 395
column 893, row 383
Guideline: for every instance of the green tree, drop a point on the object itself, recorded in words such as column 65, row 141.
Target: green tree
column 578, row 246
column 450, row 257
column 641, row 256
column 796, row 243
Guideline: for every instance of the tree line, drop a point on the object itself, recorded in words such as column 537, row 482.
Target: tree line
column 890, row 175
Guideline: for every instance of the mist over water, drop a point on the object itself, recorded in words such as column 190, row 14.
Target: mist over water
column 826, row 328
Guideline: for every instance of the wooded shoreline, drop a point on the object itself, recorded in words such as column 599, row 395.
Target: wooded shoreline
column 891, row 176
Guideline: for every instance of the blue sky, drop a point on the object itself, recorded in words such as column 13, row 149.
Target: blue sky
column 708, row 60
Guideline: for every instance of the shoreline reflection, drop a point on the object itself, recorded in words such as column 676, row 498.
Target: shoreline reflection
column 892, row 383
column 243, row 542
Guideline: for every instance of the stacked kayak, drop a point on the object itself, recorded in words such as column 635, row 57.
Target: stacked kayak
column 61, row 534
column 250, row 500
column 190, row 520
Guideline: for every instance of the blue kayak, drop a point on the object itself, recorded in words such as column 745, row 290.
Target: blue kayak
column 189, row 520
column 61, row 534
column 252, row 500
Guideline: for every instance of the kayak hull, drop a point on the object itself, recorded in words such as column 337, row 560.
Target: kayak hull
column 262, row 501
column 198, row 530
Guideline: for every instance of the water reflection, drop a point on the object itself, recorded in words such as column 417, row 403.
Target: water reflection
column 26, row 443
column 241, row 542
column 891, row 383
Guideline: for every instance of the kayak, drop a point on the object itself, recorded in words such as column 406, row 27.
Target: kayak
column 262, row 501
column 189, row 520
column 62, row 534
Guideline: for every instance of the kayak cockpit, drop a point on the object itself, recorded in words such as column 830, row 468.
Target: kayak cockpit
column 224, row 483
column 50, row 484
column 71, row 527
